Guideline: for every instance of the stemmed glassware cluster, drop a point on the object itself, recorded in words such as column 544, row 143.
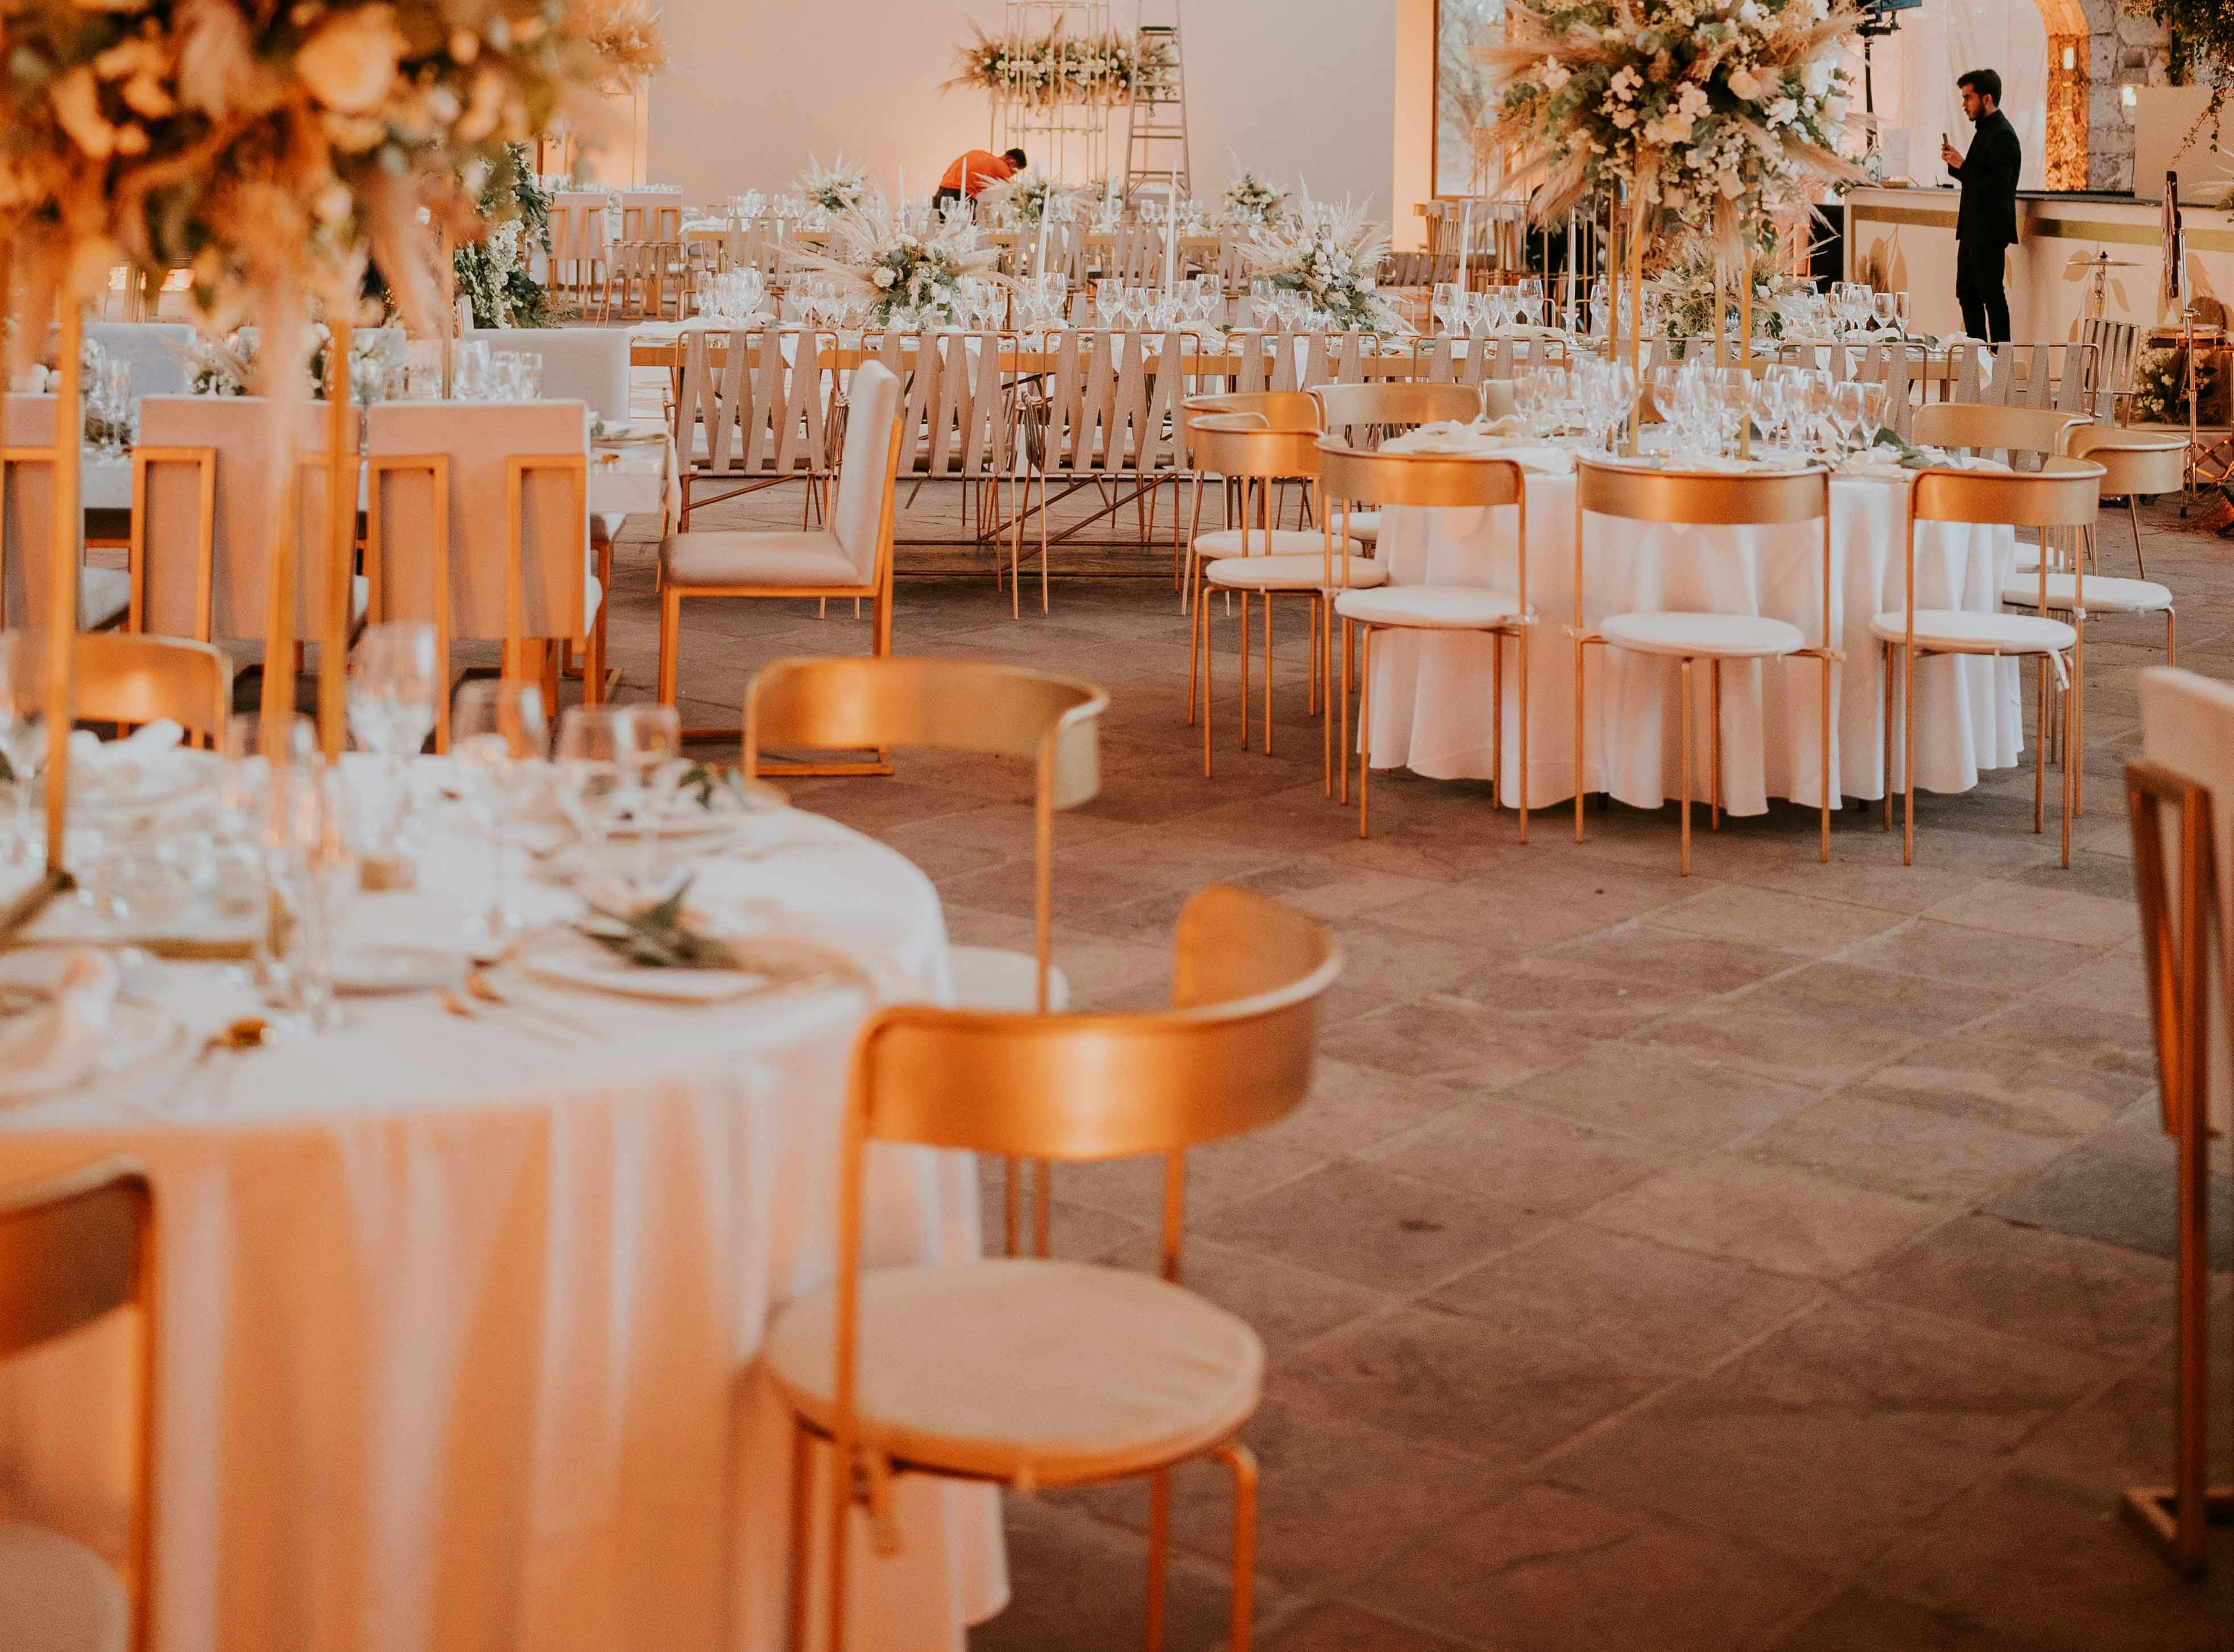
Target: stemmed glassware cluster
column 616, row 764
column 499, row 376
column 736, row 295
column 825, row 301
column 1491, row 310
column 1589, row 397
column 1198, row 302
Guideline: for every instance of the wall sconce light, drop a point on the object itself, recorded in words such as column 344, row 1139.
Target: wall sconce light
column 2129, row 95
column 2070, row 59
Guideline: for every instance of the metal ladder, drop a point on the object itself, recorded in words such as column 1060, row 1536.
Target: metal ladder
column 1159, row 115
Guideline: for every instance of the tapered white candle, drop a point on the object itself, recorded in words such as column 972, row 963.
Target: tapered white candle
column 1039, row 263
column 1466, row 242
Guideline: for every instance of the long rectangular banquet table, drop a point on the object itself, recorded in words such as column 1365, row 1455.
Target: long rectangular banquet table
column 459, row 1317
column 1431, row 693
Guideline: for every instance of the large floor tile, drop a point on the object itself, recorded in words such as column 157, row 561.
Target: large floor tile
column 1782, row 1219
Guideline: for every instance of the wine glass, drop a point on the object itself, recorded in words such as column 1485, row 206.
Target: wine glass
column 24, row 728
column 591, row 766
column 394, row 682
column 1109, row 302
column 1900, row 309
column 1877, row 399
column 655, row 757
column 310, row 878
column 1848, row 411
column 1882, row 311
column 498, row 737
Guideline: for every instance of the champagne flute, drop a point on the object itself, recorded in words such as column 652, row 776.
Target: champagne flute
column 497, row 731
column 394, row 682
column 592, row 767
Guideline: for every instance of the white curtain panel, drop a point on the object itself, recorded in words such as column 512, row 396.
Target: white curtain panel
column 1915, row 69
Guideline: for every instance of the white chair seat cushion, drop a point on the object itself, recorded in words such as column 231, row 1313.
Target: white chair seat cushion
column 103, row 595
column 1430, row 608
column 735, row 557
column 1019, row 1368
column 57, row 1595
column 1292, row 572
column 2028, row 559
column 1721, row 636
column 990, row 978
column 1363, row 525
column 1953, row 630
column 2104, row 595
column 1227, row 542
column 605, row 526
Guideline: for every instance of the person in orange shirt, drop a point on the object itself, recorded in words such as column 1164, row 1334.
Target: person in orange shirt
column 974, row 171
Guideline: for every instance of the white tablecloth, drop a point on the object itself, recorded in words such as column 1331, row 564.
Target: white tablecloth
column 1430, row 694
column 458, row 1323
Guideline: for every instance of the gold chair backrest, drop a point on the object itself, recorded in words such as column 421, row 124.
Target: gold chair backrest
column 123, row 678
column 1280, row 409
column 1243, row 444
column 2063, row 494
column 1233, row 1054
column 1369, row 477
column 1979, row 425
column 1394, row 402
column 2133, row 461
column 1703, row 498
column 985, row 707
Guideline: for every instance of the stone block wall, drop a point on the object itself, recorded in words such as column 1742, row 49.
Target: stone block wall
column 2121, row 49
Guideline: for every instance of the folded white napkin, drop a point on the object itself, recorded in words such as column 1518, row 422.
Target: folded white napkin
column 733, row 906
column 58, row 1045
column 1443, row 436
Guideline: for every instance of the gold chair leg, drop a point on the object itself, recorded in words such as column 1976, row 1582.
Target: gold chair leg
column 1244, row 668
column 2074, row 758
column 2070, row 769
column 1886, row 725
column 1159, row 1544
column 1243, row 1462
column 1908, row 755
column 2040, row 752
column 1209, row 659
column 1342, row 753
column 1714, row 746
column 1496, row 713
column 1580, row 706
column 2133, row 515
column 670, row 643
column 1268, row 672
column 1520, row 638
column 1194, row 641
column 1825, row 755
column 1684, row 702
column 1364, row 731
column 802, row 1538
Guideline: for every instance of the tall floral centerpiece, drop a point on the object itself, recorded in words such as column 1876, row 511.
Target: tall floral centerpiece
column 838, row 188
column 903, row 264
column 269, row 149
column 1328, row 254
column 1249, row 199
column 1044, row 71
column 496, row 271
column 1710, row 112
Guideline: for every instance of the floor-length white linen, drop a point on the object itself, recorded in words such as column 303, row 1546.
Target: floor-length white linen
column 459, row 1320
column 1431, row 692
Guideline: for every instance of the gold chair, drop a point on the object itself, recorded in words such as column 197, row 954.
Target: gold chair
column 1704, row 499
column 2064, row 492
column 851, row 557
column 1365, row 416
column 1984, row 427
column 129, row 679
column 1279, row 410
column 1257, row 559
column 2133, row 462
column 1433, row 482
column 1026, row 1372
column 2176, row 793
column 72, row 1251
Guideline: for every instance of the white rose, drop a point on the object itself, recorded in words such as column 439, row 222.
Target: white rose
column 1555, row 77
column 350, row 63
column 1834, row 109
column 1745, row 85
column 882, row 278
column 1624, row 118
column 1815, row 75
column 1783, row 112
column 1749, row 14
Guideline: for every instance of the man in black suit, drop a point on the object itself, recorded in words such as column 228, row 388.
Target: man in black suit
column 1986, row 223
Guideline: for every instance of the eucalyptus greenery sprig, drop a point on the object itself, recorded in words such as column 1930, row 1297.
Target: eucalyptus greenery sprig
column 659, row 937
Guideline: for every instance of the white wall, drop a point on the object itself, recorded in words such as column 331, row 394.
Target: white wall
column 1293, row 87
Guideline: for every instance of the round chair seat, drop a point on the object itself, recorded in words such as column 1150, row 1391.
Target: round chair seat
column 1003, row 982
column 1293, row 572
column 58, row 1596
column 2028, row 559
column 1019, row 1370
column 2104, row 595
column 1227, row 542
column 1430, row 608
column 1365, row 525
column 1720, row 636
column 1949, row 630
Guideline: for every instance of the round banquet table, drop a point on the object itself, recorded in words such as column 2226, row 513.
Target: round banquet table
column 459, row 1318
column 1431, row 691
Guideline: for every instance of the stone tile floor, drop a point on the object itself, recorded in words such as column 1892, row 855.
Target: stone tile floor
column 1776, row 1258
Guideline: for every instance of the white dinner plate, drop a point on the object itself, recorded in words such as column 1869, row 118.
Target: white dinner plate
column 377, row 968
column 570, row 960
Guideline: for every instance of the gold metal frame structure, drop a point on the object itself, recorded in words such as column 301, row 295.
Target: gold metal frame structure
column 2176, row 953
